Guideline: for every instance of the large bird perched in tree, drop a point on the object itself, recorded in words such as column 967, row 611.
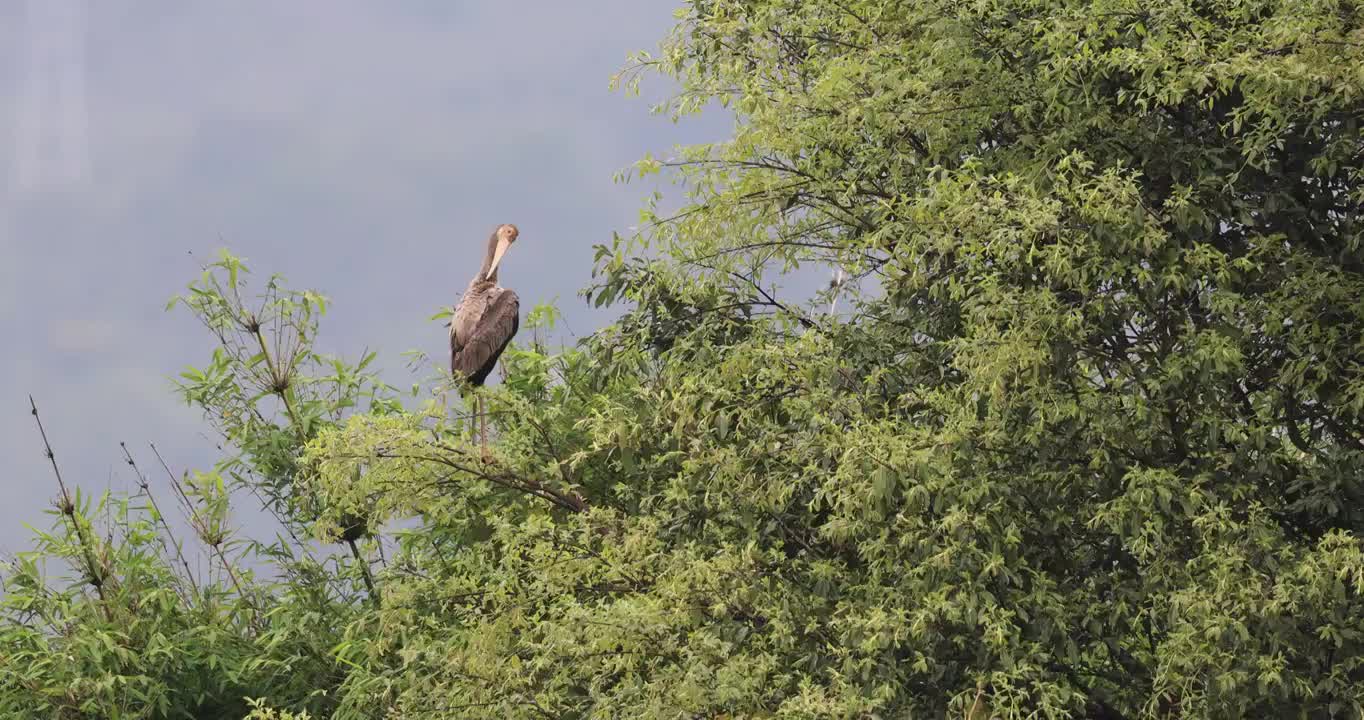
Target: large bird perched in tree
column 484, row 322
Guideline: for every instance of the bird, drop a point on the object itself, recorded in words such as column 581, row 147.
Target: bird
column 484, row 322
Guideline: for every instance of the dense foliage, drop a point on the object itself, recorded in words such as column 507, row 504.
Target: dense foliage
column 1084, row 439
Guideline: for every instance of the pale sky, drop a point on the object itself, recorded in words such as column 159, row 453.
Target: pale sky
column 364, row 149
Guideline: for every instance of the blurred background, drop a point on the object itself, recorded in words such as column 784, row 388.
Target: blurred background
column 361, row 149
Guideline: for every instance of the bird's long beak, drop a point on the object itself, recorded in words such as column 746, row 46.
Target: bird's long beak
column 501, row 250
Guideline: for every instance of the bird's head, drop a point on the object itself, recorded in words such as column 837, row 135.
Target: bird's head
column 502, row 239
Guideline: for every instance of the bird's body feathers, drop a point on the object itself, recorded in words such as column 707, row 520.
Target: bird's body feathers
column 483, row 324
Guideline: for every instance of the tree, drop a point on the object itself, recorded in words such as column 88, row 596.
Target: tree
column 1089, row 447
column 132, row 630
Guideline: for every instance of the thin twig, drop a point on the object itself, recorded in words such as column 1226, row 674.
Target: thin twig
column 96, row 577
column 215, row 544
column 364, row 571
column 160, row 516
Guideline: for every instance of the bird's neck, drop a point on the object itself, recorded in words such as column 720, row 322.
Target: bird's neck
column 481, row 281
column 478, row 284
column 483, row 276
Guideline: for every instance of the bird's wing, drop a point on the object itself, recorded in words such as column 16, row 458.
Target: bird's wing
column 474, row 354
column 465, row 316
column 456, row 342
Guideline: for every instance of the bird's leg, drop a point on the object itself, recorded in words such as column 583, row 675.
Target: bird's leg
column 477, row 429
column 483, row 428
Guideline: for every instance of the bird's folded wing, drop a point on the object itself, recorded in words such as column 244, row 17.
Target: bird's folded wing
column 480, row 348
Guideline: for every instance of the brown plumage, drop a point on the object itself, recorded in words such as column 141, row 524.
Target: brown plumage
column 492, row 321
column 486, row 318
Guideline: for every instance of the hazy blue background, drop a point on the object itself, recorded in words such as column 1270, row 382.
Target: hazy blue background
column 361, row 148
